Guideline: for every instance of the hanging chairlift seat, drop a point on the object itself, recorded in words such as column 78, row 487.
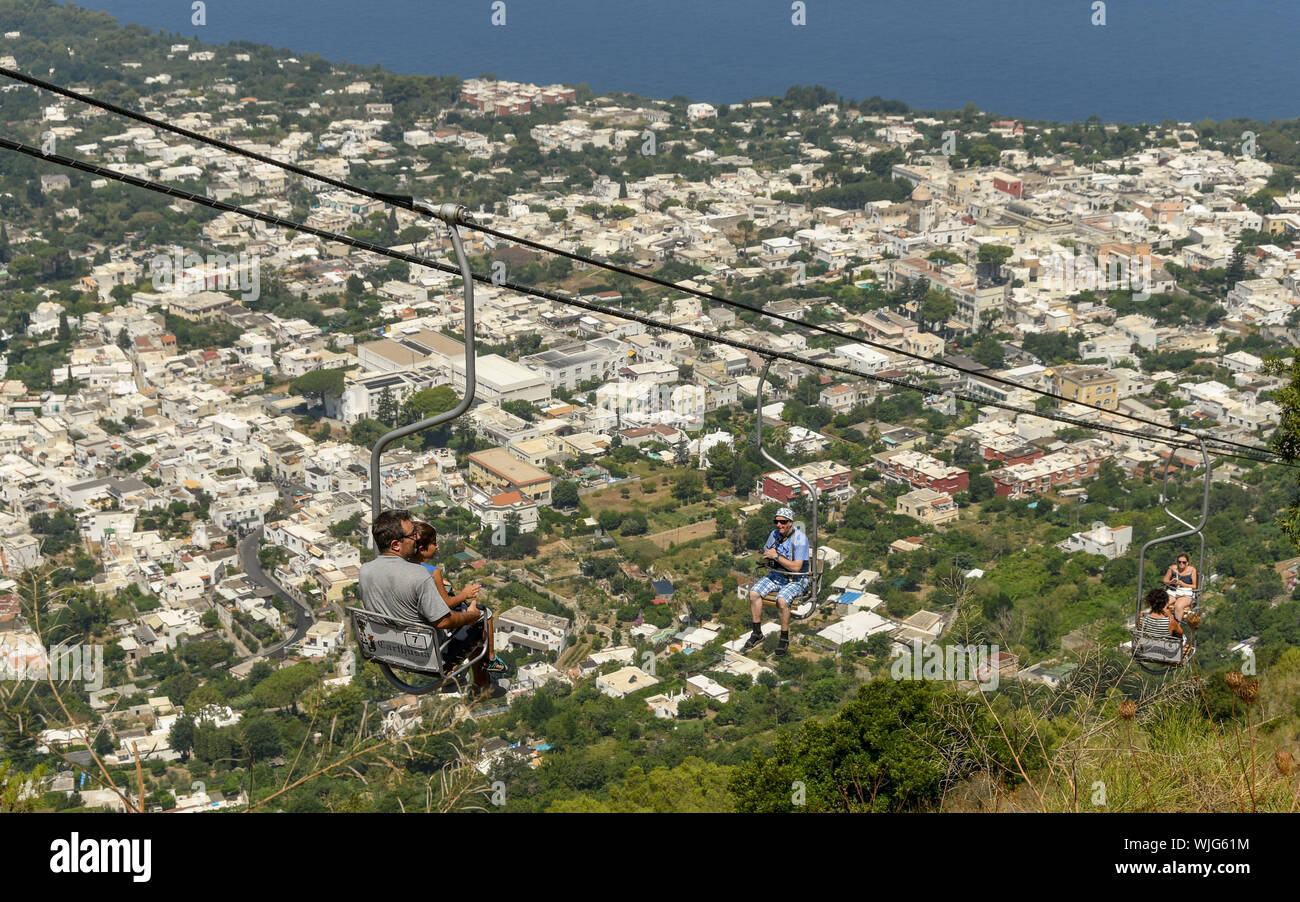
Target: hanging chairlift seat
column 1152, row 648
column 417, row 648
column 805, row 602
column 1158, row 654
column 404, row 646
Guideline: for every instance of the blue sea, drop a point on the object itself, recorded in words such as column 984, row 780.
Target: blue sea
column 1039, row 59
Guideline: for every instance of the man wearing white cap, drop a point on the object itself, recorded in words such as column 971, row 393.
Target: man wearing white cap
column 787, row 553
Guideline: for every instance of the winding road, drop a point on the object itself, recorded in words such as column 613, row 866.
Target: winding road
column 248, row 548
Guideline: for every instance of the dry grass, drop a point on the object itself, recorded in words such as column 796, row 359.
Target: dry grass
column 1109, row 740
column 455, row 785
column 611, row 499
column 679, row 534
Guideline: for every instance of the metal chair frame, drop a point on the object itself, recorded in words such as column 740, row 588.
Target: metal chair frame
column 812, row 579
column 1159, row 667
column 425, row 648
column 452, row 215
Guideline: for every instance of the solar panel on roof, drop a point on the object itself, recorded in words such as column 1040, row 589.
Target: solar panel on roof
column 412, row 345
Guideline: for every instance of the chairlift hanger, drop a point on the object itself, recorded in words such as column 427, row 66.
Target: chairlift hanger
column 1160, row 655
column 400, row 647
column 812, row 584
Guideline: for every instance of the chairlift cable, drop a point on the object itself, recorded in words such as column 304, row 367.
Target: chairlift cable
column 1251, row 453
column 412, row 204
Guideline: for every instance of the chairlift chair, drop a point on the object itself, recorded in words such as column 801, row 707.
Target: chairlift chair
column 414, row 657
column 811, row 589
column 408, row 647
column 1158, row 655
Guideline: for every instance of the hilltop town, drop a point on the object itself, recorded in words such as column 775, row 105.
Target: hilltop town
column 188, row 400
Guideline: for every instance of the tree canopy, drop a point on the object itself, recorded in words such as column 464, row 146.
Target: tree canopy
column 995, row 254
column 937, row 306
column 876, row 754
column 320, row 383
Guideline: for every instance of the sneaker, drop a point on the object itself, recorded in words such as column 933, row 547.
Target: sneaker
column 495, row 666
column 754, row 639
column 782, row 647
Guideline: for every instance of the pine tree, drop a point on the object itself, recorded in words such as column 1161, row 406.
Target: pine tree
column 1236, row 267
column 681, row 454
column 386, row 412
column 738, row 472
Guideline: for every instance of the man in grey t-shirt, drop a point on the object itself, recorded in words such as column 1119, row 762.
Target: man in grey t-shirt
column 398, row 588
column 392, row 585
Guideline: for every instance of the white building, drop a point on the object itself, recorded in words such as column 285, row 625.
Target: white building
column 702, row 685
column 864, row 357
column 500, row 380
column 1108, row 541
column 531, row 677
column 532, row 630
column 565, row 369
column 362, row 396
column 928, row 506
column 19, row 553
column 44, row 320
column 856, row 628
column 665, row 706
column 323, row 637
column 1242, row 362
column 493, row 511
column 625, row 681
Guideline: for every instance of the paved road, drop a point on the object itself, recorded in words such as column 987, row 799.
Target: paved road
column 248, row 548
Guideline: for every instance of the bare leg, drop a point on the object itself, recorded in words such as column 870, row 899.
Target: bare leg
column 783, row 607
column 755, row 606
column 1181, row 604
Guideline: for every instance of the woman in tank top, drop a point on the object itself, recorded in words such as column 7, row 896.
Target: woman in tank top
column 1183, row 581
